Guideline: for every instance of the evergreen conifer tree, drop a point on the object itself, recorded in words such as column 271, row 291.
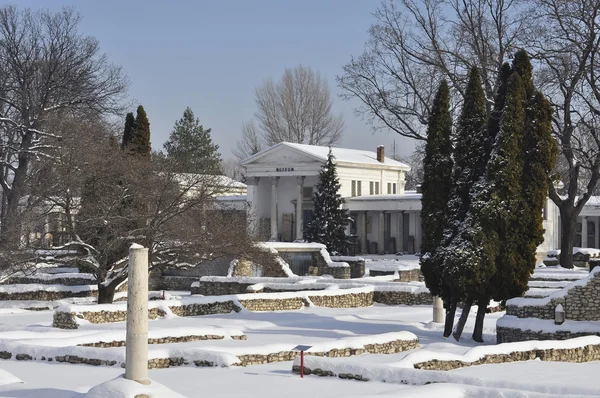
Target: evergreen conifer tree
column 437, row 173
column 464, row 259
column 140, row 137
column 330, row 219
column 191, row 148
column 128, row 130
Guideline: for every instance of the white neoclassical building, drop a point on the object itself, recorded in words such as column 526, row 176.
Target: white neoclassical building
column 281, row 180
column 386, row 218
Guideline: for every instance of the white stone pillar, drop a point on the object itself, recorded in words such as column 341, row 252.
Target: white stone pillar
column 584, row 242
column 363, row 232
column 299, row 210
column 136, row 349
column 438, row 310
column 381, row 237
column 252, row 214
column 274, row 209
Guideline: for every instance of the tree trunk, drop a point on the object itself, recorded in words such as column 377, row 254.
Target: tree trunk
column 568, row 226
column 10, row 231
column 464, row 315
column 450, row 313
column 481, row 310
column 106, row 293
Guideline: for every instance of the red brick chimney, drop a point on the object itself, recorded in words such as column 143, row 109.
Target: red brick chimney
column 381, row 153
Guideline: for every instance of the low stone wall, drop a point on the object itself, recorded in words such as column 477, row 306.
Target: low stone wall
column 162, row 340
column 357, row 266
column 287, row 304
column 578, row 355
column 336, row 272
column 581, row 354
column 352, row 300
column 580, row 303
column 411, row 275
column 220, row 288
column 15, row 280
column 402, row 298
column 391, row 347
column 511, row 335
column 44, row 295
column 172, row 282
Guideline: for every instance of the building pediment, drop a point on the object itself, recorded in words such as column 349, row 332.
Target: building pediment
column 281, row 156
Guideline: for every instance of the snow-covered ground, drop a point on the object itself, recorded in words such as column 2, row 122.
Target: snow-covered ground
column 266, row 330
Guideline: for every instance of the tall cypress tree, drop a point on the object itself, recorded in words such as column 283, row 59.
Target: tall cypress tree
column 329, row 222
column 462, row 254
column 140, row 137
column 128, row 130
column 437, row 173
column 191, row 147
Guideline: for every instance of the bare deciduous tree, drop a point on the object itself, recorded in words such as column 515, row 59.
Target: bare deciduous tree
column 567, row 46
column 46, row 66
column 111, row 199
column 415, row 44
column 297, row 109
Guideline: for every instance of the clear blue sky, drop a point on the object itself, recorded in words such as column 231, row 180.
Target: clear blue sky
column 210, row 55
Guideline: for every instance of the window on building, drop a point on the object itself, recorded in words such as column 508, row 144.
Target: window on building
column 353, row 188
column 546, row 210
column 389, row 191
column 307, row 192
column 371, row 188
column 359, row 188
column 376, row 187
column 394, row 188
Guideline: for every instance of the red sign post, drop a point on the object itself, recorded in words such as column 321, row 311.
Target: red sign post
column 301, row 348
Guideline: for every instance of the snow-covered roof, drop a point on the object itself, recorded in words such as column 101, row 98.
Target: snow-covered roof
column 342, row 155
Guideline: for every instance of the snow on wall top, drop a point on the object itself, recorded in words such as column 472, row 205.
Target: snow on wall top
column 522, row 302
column 342, row 155
column 292, row 245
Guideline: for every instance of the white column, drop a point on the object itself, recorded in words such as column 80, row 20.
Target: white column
column 274, row 209
column 584, row 242
column 381, row 238
column 438, row 310
column 252, row 215
column 299, row 199
column 596, row 234
column 363, row 232
column 136, row 345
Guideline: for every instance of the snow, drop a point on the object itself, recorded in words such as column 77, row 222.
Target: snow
column 298, row 246
column 325, row 327
column 342, row 155
column 557, row 294
column 136, row 246
column 50, row 276
column 584, row 250
column 34, row 287
column 165, row 304
column 123, row 388
column 548, row 325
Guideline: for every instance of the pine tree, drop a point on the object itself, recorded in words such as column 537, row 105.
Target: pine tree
column 128, row 130
column 437, row 173
column 330, row 219
column 464, row 259
column 191, row 147
column 140, row 136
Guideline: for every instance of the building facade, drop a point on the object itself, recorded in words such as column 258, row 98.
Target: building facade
column 385, row 218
